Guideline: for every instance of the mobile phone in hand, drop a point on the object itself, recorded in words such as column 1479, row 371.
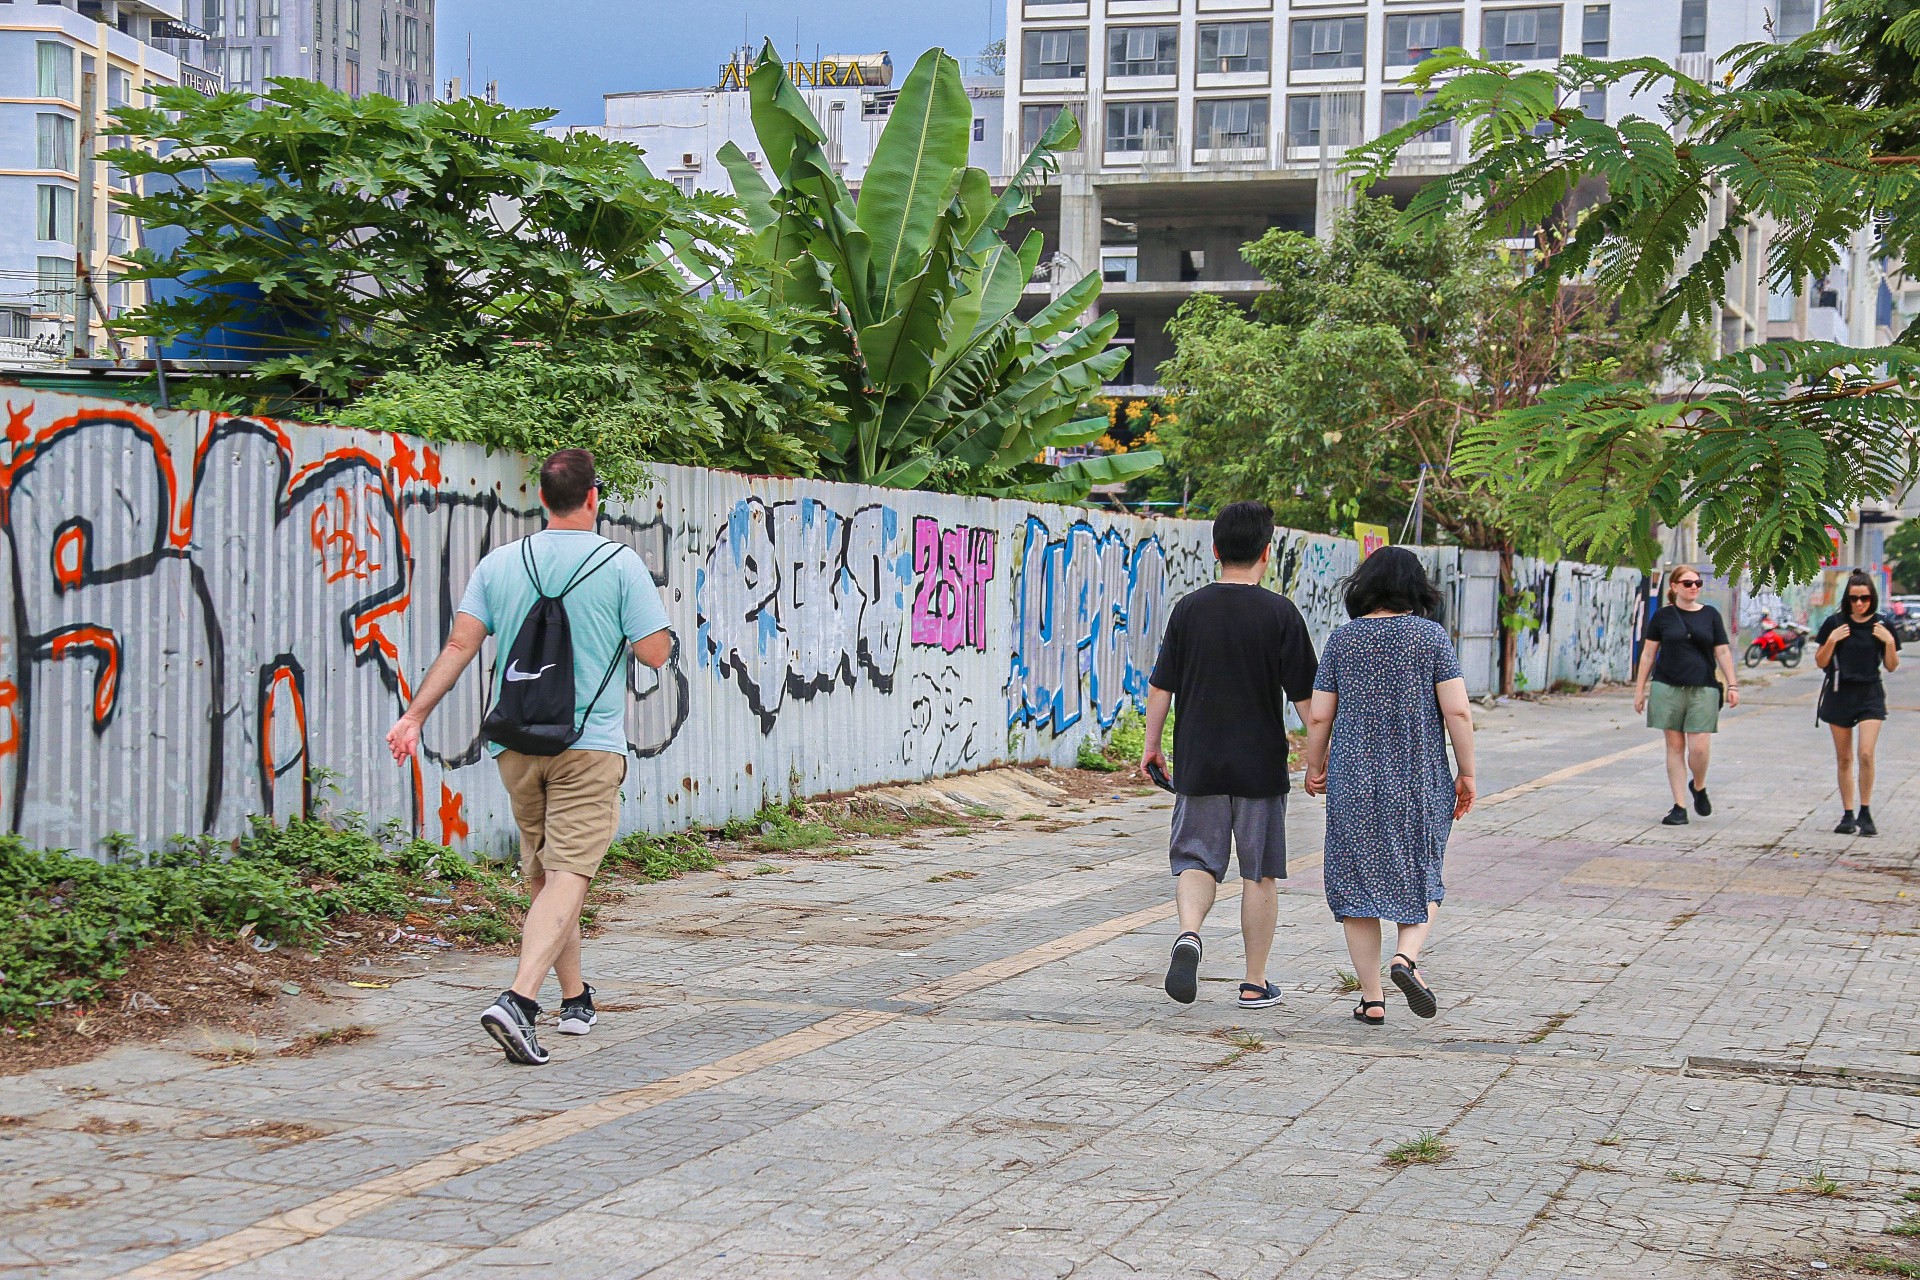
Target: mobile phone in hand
column 1159, row 777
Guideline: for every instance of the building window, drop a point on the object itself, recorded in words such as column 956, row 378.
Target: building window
column 410, row 41
column 352, row 85
column 1413, row 37
column 413, row 93
column 1593, row 104
column 1035, row 119
column 1120, row 264
column 1138, row 127
column 119, row 87
column 1055, row 55
column 119, row 234
column 56, row 291
column 979, row 128
column 1519, row 34
column 240, row 68
column 1321, row 44
column 1143, row 51
column 1397, row 108
column 239, row 31
column 1795, row 19
column 1230, row 47
column 268, row 22
column 1230, row 122
column 1693, row 26
column 213, row 17
column 353, row 24
column 385, row 85
column 57, row 134
column 266, row 66
column 1303, row 121
column 1193, row 264
column 386, row 49
column 1596, row 30
column 53, row 219
column 56, row 70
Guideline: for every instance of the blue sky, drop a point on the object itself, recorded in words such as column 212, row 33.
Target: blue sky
column 566, row 53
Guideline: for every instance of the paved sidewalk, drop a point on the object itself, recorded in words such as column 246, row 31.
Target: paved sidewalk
column 1655, row 1046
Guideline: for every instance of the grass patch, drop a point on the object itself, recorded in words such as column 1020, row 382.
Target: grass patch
column 1344, row 982
column 1685, row 1175
column 652, row 858
column 1425, row 1149
column 1126, row 743
column 101, row 1125
column 1819, row 1184
column 69, row 926
column 945, row 876
column 1595, row 1166
column 1876, row 1264
column 1243, row 1042
column 1613, row 1139
column 766, row 869
column 1909, row 1227
column 330, row 1038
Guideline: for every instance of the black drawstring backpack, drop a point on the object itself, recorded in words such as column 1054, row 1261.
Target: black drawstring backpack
column 535, row 712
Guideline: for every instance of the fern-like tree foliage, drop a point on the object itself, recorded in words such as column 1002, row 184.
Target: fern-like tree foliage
column 1818, row 138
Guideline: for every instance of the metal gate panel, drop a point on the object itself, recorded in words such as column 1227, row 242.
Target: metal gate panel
column 1477, row 620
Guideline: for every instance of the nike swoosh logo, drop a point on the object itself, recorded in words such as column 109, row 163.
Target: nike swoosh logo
column 514, row 672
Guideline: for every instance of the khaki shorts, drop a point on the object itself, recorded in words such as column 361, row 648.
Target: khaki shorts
column 568, row 808
column 1689, row 708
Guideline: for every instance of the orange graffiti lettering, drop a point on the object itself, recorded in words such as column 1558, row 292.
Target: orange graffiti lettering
column 70, row 557
column 9, row 698
column 346, row 533
column 17, row 423
column 453, row 825
column 106, row 681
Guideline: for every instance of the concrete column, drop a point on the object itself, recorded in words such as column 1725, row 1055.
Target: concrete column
column 1079, row 251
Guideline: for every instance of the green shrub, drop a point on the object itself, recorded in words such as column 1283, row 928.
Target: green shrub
column 652, row 858
column 70, row 925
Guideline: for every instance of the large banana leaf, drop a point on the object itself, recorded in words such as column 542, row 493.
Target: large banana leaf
column 1071, row 482
column 943, row 382
column 916, row 168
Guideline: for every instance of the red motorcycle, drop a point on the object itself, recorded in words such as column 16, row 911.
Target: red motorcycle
column 1785, row 644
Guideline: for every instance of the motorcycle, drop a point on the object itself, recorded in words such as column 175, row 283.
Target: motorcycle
column 1785, row 643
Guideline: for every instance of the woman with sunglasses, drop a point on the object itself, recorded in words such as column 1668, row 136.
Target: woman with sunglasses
column 1686, row 640
column 1855, row 643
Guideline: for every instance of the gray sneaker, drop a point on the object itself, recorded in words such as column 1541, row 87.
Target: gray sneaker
column 577, row 1015
column 513, row 1031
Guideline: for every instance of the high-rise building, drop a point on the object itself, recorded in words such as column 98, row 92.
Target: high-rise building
column 1207, row 122
column 64, row 64
column 355, row 46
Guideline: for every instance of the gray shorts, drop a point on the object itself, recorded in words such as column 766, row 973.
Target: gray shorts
column 1255, row 826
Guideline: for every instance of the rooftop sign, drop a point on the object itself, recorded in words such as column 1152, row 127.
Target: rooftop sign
column 871, row 70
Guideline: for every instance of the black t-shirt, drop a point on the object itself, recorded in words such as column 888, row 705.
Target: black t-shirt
column 1687, row 640
column 1859, row 656
column 1234, row 655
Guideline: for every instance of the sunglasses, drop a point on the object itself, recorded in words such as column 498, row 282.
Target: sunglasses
column 1851, row 596
column 1687, row 582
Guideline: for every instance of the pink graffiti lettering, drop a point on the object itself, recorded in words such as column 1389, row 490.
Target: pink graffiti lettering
column 953, row 567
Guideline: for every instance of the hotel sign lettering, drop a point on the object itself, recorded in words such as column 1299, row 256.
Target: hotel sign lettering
column 822, row 74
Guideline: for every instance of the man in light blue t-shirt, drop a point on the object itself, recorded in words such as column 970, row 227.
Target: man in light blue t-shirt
column 567, row 805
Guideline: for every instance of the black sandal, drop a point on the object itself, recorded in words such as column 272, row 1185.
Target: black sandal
column 1183, row 971
column 1420, row 997
column 1360, row 1012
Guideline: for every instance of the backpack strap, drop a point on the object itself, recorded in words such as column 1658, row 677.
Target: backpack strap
column 618, row 652
column 581, row 573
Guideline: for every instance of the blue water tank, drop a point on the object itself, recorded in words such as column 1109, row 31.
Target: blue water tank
column 262, row 329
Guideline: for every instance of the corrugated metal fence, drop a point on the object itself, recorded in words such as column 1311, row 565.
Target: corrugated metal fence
column 210, row 617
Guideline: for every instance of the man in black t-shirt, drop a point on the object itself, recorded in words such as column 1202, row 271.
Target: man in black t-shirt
column 1233, row 656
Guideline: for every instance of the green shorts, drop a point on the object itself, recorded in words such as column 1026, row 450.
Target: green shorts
column 1688, row 708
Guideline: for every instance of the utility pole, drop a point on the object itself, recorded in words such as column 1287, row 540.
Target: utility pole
column 87, row 295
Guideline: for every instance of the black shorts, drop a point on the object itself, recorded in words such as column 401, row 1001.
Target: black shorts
column 1851, row 701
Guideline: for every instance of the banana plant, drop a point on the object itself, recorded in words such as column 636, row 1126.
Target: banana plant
column 944, row 385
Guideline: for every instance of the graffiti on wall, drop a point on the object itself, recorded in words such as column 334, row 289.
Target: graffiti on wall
column 237, row 624
column 953, row 567
column 1085, row 604
column 796, row 599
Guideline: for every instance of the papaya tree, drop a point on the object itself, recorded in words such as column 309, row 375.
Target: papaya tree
column 944, row 385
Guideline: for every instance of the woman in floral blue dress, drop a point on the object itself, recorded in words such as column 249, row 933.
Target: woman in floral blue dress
column 1388, row 697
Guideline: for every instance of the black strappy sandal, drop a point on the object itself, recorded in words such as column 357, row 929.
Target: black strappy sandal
column 1360, row 1012
column 1420, row 997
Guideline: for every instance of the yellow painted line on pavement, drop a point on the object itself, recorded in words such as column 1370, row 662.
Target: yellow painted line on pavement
column 1571, row 771
column 316, row 1218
